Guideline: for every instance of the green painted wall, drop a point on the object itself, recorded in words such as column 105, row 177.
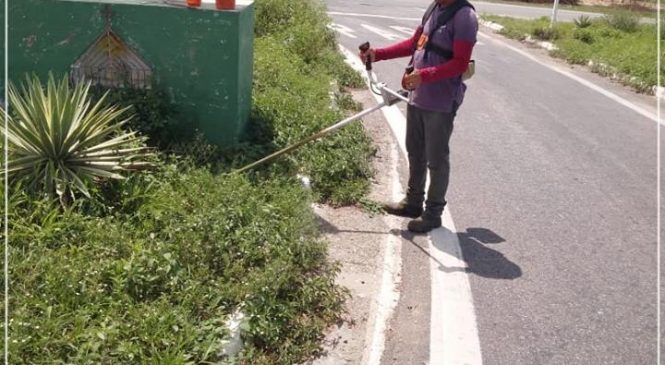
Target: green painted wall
column 202, row 57
column 2, row 51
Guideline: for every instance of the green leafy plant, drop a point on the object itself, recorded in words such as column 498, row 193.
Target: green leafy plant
column 60, row 142
column 584, row 35
column 372, row 207
column 583, row 21
column 153, row 114
column 301, row 27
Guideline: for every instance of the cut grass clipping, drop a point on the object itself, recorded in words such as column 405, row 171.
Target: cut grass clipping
column 617, row 44
column 150, row 268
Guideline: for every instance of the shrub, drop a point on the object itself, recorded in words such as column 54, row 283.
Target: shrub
column 301, row 26
column 608, row 32
column 60, row 143
column 274, row 16
column 623, row 21
column 545, row 33
column 584, row 35
column 332, row 63
column 154, row 116
column 296, row 103
column 308, row 38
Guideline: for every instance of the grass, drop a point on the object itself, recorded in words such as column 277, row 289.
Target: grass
column 148, row 270
column 295, row 98
column 585, row 8
column 615, row 45
column 154, row 282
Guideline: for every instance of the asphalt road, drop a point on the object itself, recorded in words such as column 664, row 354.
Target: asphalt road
column 553, row 193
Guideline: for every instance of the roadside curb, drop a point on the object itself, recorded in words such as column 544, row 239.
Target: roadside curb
column 596, row 67
column 496, row 27
column 368, row 250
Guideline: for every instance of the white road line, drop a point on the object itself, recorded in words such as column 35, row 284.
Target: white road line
column 382, row 309
column 343, row 29
column 383, row 33
column 388, row 296
column 453, row 330
column 373, row 16
column 454, row 334
column 580, row 80
column 405, row 30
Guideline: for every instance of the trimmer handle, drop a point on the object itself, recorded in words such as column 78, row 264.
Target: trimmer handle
column 368, row 62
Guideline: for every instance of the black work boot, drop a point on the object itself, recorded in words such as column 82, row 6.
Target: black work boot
column 425, row 223
column 403, row 209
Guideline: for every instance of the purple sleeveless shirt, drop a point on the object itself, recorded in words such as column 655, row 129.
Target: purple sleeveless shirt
column 440, row 96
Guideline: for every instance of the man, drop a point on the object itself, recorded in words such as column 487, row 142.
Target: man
column 437, row 91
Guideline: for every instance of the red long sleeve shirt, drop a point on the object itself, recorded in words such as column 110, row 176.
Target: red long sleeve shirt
column 442, row 88
column 456, row 66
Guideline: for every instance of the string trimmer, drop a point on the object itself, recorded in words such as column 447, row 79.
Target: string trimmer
column 390, row 97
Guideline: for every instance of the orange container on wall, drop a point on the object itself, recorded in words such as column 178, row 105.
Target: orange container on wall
column 194, row 3
column 226, row 4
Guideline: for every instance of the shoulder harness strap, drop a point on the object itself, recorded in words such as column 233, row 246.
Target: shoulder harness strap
column 445, row 16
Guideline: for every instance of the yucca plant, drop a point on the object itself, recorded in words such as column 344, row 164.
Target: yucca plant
column 60, row 142
column 583, row 21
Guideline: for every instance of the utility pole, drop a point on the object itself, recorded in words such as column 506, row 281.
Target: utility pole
column 555, row 9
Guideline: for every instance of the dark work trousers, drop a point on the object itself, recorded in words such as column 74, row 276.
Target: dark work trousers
column 427, row 138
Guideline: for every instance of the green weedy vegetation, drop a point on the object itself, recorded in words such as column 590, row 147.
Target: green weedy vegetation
column 154, row 116
column 153, row 283
column 296, row 60
column 295, row 101
column 618, row 40
column 297, row 25
column 149, row 268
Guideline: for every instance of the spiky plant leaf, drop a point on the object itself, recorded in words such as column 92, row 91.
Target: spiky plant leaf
column 583, row 21
column 60, row 142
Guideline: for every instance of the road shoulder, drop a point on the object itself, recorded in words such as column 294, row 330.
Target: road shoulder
column 361, row 242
